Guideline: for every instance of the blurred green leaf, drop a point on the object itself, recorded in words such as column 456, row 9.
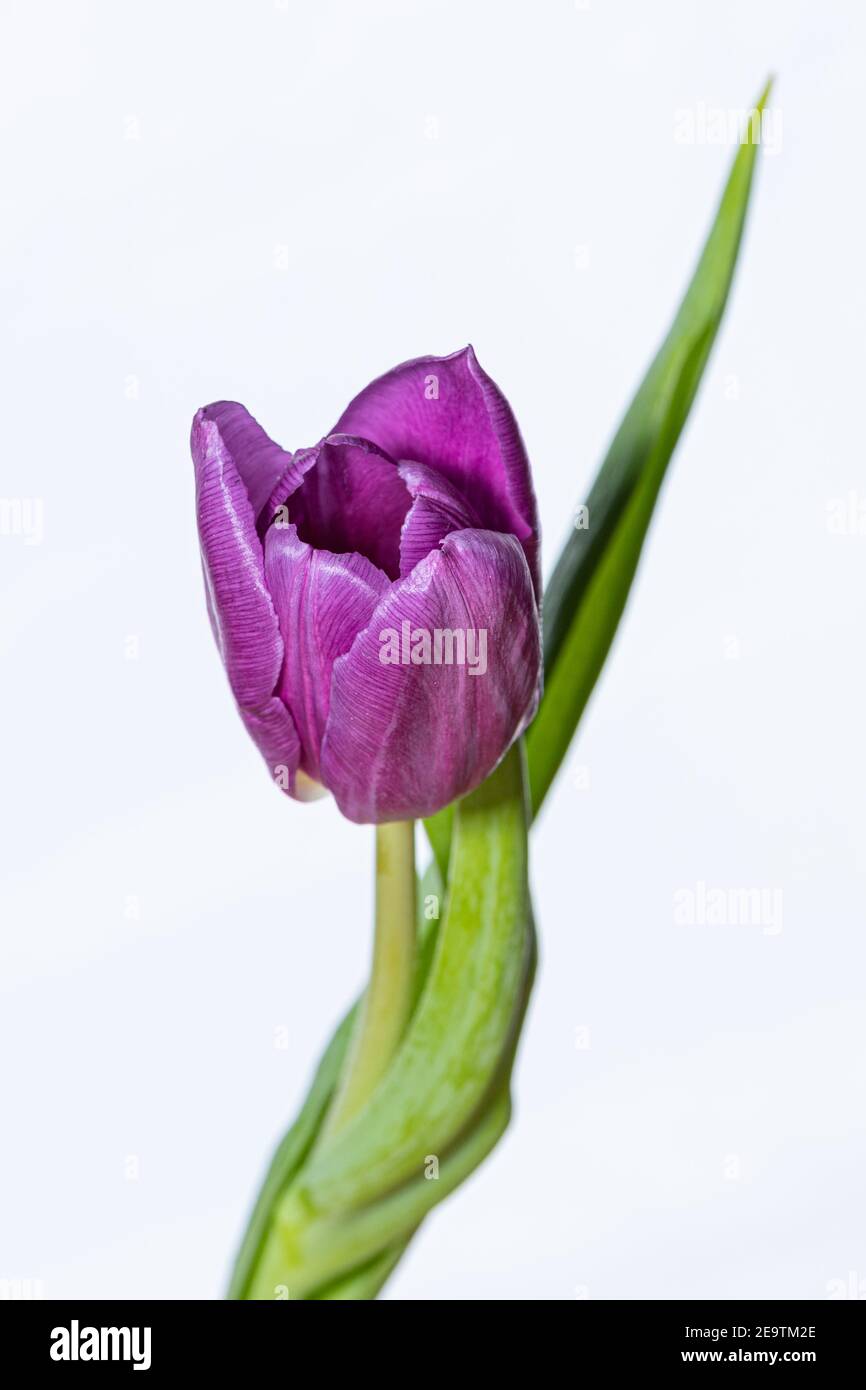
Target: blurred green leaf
column 587, row 592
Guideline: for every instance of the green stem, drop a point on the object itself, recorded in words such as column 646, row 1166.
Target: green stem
column 388, row 1000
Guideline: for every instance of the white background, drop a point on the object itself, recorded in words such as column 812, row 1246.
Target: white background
column 274, row 203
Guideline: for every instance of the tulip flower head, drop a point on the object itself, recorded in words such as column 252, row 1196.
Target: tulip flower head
column 375, row 598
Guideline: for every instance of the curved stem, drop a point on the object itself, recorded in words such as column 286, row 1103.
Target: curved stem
column 388, row 1000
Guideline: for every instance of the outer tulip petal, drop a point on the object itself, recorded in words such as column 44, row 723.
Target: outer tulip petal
column 258, row 460
column 322, row 601
column 242, row 614
column 401, row 740
column 273, row 731
column 437, row 510
column 352, row 499
column 448, row 413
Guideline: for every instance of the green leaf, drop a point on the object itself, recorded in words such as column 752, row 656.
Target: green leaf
column 445, row 1062
column 587, row 592
column 439, row 829
column 362, row 1190
column 588, row 589
column 348, row 1238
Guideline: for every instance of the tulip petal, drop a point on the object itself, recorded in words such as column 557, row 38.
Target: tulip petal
column 437, row 510
column 258, row 460
column 448, row 413
column 352, row 500
column 273, row 731
column 242, row 613
column 403, row 740
column 286, row 485
column 323, row 600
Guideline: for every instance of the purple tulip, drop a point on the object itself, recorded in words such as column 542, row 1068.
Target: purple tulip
column 375, row 598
